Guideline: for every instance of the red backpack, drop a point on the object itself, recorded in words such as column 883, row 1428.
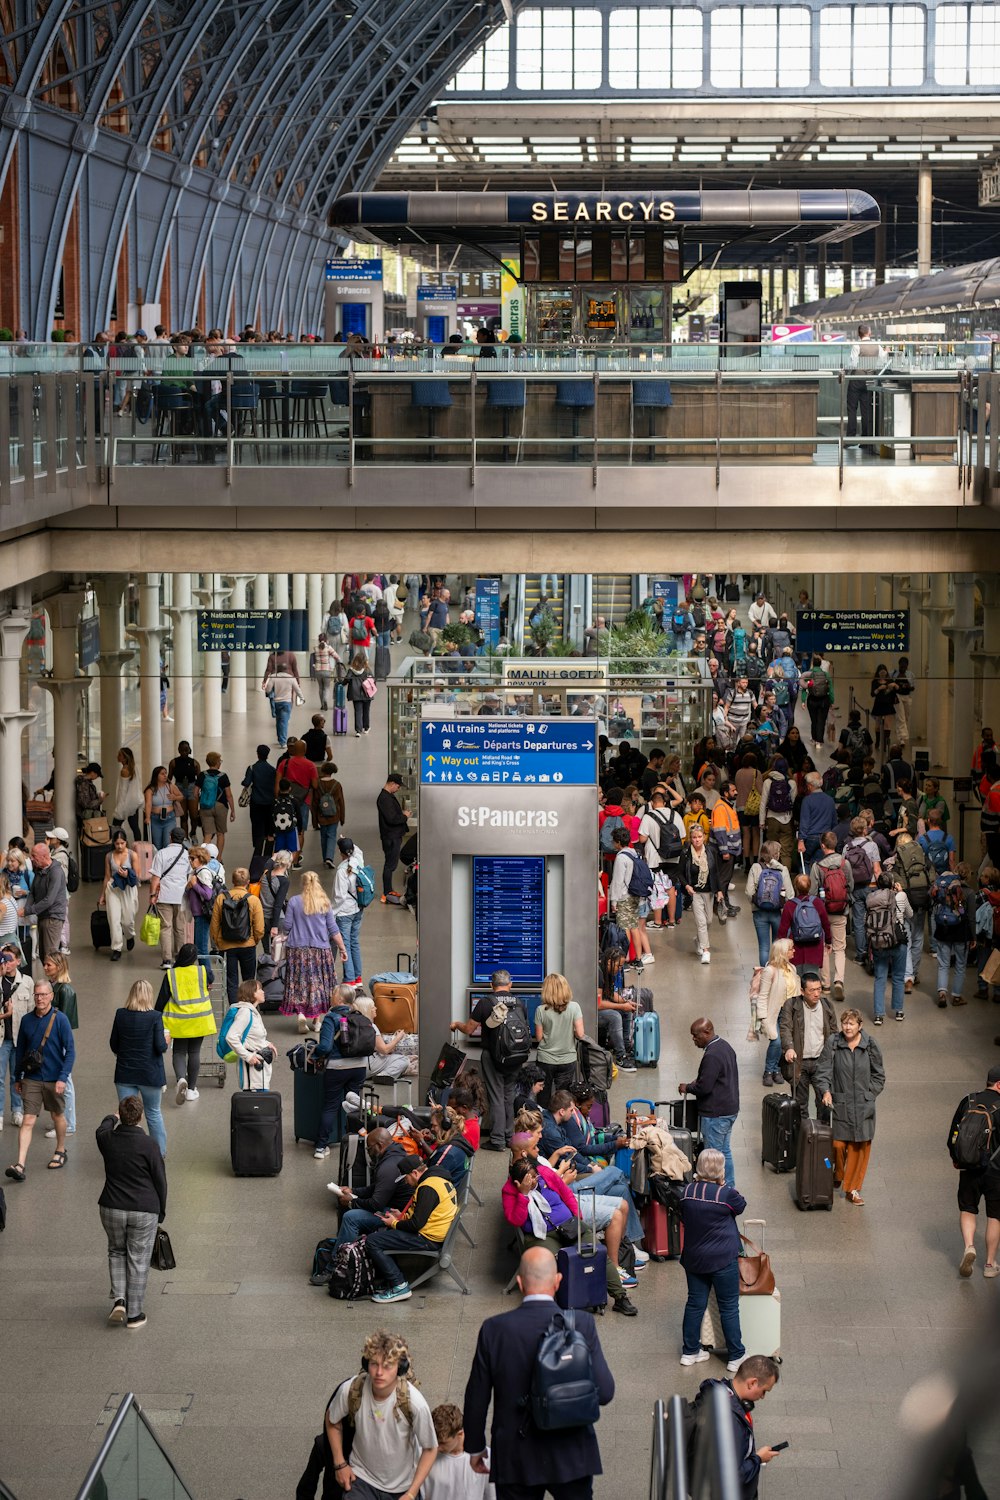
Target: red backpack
column 835, row 895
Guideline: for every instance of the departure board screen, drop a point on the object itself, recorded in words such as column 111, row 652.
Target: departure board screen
column 508, row 918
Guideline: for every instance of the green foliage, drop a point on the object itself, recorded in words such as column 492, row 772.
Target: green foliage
column 635, row 643
column 543, row 630
column 462, row 635
column 6, row 335
column 57, row 336
column 559, row 647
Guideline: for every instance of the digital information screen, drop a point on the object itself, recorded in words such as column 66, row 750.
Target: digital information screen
column 508, row 917
column 877, row 630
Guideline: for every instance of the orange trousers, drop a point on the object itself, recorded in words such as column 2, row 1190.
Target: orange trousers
column 850, row 1163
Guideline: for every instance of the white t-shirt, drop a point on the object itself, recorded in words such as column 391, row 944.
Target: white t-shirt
column 452, row 1478
column 386, row 1451
column 173, row 868
column 651, row 829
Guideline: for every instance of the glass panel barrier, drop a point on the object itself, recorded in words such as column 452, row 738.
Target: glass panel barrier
column 131, row 1463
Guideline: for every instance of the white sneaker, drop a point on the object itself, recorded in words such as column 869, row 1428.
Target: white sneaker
column 50, row 1135
column 320, row 1153
column 646, row 959
column 734, row 1364
column 192, row 1094
column 695, row 1359
column 706, row 957
column 17, row 1121
column 641, row 1257
column 181, row 1093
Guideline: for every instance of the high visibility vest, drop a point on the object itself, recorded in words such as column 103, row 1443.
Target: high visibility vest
column 188, row 1011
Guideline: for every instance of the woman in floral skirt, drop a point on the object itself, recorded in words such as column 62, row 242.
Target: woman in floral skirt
column 310, row 974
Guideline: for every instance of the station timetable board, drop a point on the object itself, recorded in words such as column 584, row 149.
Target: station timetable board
column 875, row 630
column 508, row 917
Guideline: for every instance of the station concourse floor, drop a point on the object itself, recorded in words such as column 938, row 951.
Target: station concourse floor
column 240, row 1353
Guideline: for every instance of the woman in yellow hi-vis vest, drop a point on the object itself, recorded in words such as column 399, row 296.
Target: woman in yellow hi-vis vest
column 187, row 1016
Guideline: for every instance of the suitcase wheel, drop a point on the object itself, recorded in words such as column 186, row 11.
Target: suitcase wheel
column 221, row 1080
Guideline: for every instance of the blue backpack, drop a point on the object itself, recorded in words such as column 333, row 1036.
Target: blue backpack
column 806, row 925
column 209, row 789
column 937, row 851
column 221, row 1045
column 640, row 882
column 770, row 890
column 364, row 886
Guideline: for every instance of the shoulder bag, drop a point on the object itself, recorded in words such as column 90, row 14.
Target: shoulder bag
column 756, row 1276
column 163, row 1252
column 33, row 1059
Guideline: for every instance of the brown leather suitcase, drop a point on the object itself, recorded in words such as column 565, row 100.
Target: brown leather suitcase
column 395, row 1007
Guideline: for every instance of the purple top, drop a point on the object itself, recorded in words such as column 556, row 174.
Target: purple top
column 305, row 931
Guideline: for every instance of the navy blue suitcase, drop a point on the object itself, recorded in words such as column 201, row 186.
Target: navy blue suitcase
column 584, row 1269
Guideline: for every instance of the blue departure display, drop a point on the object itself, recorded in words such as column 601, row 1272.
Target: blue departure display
column 508, row 917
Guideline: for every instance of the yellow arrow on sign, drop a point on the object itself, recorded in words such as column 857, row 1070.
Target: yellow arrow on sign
column 430, row 760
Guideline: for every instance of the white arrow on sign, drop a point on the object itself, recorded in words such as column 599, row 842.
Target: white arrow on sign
column 430, row 775
column 588, row 744
column 430, row 728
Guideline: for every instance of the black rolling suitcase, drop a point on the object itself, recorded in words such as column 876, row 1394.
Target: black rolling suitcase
column 732, row 593
column 307, row 1106
column 92, row 857
column 255, row 1143
column 779, row 1130
column 451, row 1061
column 100, row 928
column 383, row 663
column 814, row 1166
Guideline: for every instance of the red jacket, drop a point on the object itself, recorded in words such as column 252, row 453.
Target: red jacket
column 515, row 1204
column 805, row 953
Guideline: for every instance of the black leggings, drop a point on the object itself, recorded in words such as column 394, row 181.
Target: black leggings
column 557, row 1076
column 187, row 1059
column 362, row 713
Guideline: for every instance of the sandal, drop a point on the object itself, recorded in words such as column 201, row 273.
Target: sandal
column 16, row 1173
column 58, row 1160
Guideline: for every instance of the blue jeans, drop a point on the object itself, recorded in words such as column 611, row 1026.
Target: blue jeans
column 765, row 924
column 858, row 899
column 160, row 830
column 7, row 1063
column 383, row 638
column 282, row 714
column 328, row 840
column 610, row 1182
column 150, row 1096
column 355, row 1223
column 915, row 948
column 202, row 936
column 812, row 852
column 944, row 956
column 773, row 1057
column 890, row 963
column 727, row 1292
column 716, row 1130
column 350, row 928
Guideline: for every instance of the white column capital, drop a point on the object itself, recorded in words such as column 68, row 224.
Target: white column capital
column 14, row 628
column 110, row 663
column 110, row 589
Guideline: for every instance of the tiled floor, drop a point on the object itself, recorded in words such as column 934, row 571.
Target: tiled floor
column 240, row 1353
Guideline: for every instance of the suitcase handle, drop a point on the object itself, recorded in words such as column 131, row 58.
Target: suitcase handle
column 759, row 1239
column 629, row 1103
column 593, row 1222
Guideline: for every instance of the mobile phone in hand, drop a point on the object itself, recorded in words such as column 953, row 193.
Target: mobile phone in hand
column 778, row 1447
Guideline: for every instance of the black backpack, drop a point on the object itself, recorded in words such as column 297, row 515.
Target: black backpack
column 353, row 1275
column 355, row 1035
column 72, row 876
column 234, row 918
column 972, row 1143
column 509, row 1041
column 563, row 1389
column 669, row 842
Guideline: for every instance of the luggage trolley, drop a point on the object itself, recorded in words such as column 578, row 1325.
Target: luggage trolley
column 215, row 1067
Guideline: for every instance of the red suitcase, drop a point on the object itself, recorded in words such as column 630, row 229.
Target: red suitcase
column 662, row 1231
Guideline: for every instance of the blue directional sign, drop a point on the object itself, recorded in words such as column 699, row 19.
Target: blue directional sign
column 505, row 752
column 877, row 630
column 252, row 630
column 90, row 640
column 488, row 610
column 667, row 589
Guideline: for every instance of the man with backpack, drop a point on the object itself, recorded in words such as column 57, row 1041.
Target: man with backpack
column 805, row 921
column 506, row 1039
column 974, row 1146
column 937, row 844
column 216, row 809
column 631, row 886
column 660, row 838
column 236, row 928
column 911, row 870
column 887, row 933
column 819, row 699
column 862, row 854
column 832, row 879
column 953, row 926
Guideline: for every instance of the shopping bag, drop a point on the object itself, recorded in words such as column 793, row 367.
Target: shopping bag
column 149, row 932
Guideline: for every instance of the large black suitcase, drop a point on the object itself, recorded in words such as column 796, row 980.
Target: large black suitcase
column 255, row 1143
column 354, row 1169
column 779, row 1130
column 92, row 857
column 683, row 1114
column 814, row 1166
column 383, row 663
column 732, row 593
column 583, row 1266
column 100, row 928
column 307, row 1106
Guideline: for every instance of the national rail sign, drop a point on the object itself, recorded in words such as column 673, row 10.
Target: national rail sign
column 505, row 752
column 252, row 630
column 874, row 630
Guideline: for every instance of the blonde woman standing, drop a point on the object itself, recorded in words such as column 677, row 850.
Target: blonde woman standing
column 310, row 970
column 558, row 1028
column 779, row 981
column 129, row 796
column 120, row 896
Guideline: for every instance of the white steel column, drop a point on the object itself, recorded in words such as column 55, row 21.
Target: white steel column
column 14, row 719
column 212, row 596
column 925, row 200
column 298, row 591
column 316, row 607
column 182, row 617
column 939, row 722
column 149, row 634
column 110, row 590
column 240, row 662
column 261, row 600
column 281, row 600
column 331, row 594
column 66, row 687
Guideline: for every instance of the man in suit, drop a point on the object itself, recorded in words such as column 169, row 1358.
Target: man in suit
column 529, row 1465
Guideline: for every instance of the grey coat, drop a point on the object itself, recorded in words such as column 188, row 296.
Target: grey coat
column 855, row 1078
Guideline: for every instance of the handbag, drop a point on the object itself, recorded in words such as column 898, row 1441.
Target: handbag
column 752, row 804
column 369, row 687
column 756, row 1276
column 163, row 1258
column 96, row 832
column 639, row 1174
column 244, row 798
column 279, row 942
column 149, row 931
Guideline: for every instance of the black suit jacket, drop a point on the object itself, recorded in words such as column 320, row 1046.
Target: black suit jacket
column 503, row 1366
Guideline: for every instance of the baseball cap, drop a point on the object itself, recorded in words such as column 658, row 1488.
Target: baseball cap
column 58, row 833
column 993, row 1076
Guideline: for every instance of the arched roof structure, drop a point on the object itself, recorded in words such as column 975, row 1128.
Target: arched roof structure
column 187, row 151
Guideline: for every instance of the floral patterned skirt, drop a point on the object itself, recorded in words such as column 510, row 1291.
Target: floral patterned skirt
column 310, row 976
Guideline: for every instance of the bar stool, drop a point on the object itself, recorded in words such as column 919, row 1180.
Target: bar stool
column 650, row 396
column 243, row 410
column 171, row 407
column 270, row 405
column 430, row 396
column 576, row 396
column 308, row 410
column 506, row 396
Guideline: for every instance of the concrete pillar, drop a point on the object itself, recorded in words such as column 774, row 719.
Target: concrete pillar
column 925, row 201
column 883, row 592
column 298, row 591
column 989, row 654
column 212, row 595
column 182, row 617
column 261, row 600
column 14, row 719
column 240, row 662
column 937, row 612
column 149, row 633
column 331, row 593
column 110, row 591
column 281, row 600
column 66, row 686
column 964, row 632
column 915, row 591
column 316, row 606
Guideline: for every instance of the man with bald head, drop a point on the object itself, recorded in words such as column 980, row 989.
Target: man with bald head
column 525, row 1464
column 389, row 1188
column 48, row 900
column 717, row 1090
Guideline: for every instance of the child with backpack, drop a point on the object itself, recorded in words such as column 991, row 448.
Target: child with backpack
column 953, row 924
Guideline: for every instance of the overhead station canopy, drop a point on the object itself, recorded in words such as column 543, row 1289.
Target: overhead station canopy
column 971, row 286
column 497, row 219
